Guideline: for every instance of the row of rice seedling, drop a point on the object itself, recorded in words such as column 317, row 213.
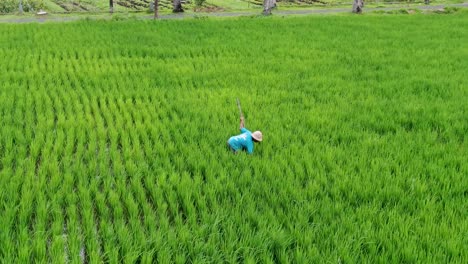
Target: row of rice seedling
column 113, row 139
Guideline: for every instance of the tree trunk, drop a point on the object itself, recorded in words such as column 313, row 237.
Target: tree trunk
column 111, row 6
column 427, row 2
column 177, row 6
column 268, row 5
column 357, row 6
column 156, row 7
column 21, row 7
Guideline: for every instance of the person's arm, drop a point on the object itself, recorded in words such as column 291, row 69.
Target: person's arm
column 250, row 148
column 242, row 122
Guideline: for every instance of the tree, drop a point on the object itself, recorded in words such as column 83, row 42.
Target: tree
column 111, row 6
column 21, row 6
column 156, row 7
column 268, row 5
column 177, row 6
column 357, row 6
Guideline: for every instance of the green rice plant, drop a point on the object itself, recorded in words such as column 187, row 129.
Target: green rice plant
column 112, row 141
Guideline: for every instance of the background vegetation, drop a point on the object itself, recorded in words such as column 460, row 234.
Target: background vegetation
column 60, row 6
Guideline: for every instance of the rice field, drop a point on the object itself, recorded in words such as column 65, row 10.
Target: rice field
column 113, row 140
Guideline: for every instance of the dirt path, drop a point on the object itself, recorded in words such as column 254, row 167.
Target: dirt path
column 232, row 14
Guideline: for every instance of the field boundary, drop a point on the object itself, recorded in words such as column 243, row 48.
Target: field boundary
column 230, row 14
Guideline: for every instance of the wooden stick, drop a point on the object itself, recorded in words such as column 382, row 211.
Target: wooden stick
column 240, row 110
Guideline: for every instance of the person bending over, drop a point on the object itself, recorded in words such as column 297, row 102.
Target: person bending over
column 244, row 141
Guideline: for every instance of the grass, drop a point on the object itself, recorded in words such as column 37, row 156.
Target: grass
column 112, row 140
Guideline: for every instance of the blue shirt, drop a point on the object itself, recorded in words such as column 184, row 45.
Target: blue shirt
column 242, row 141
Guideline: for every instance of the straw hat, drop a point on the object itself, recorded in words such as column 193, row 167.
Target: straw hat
column 257, row 135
